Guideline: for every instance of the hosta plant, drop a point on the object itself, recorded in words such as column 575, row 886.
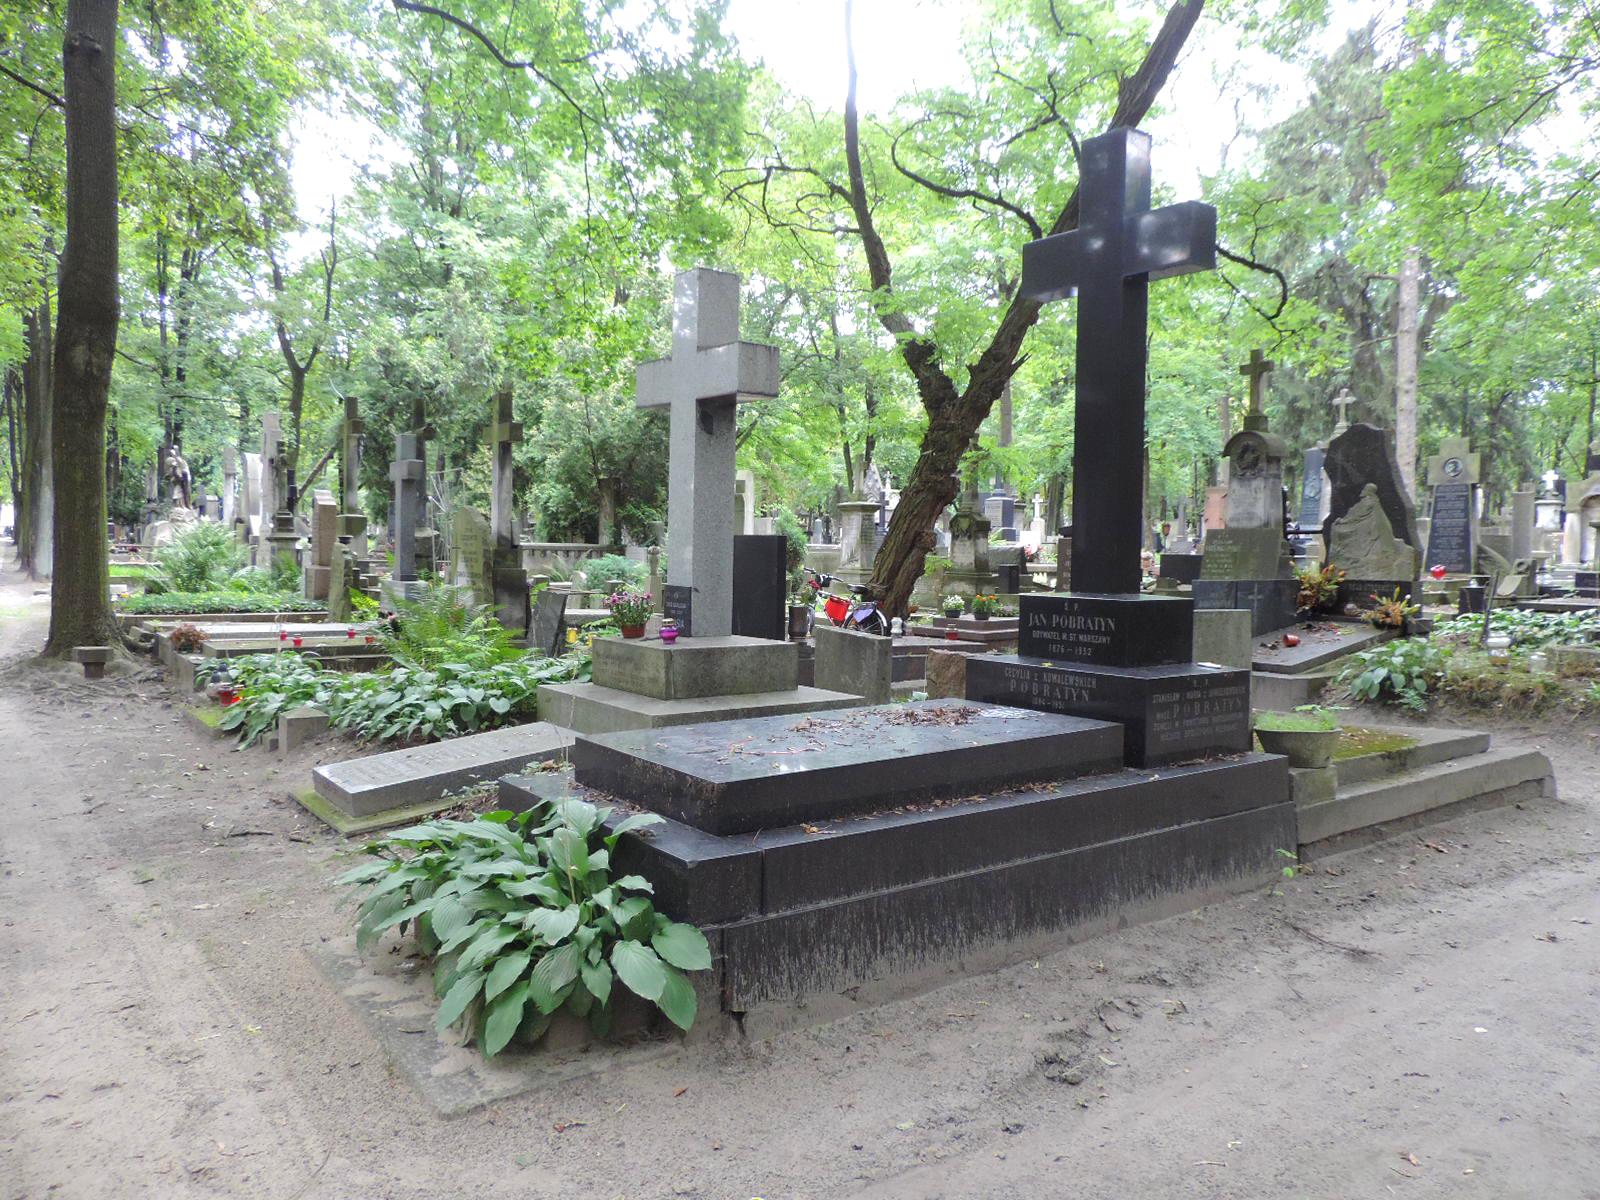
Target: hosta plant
column 1401, row 672
column 523, row 918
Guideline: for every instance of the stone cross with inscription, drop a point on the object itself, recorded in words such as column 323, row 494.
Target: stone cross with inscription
column 1120, row 245
column 709, row 373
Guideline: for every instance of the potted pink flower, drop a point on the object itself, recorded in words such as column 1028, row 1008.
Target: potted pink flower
column 631, row 611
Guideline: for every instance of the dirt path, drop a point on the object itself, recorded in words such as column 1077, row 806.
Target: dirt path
column 1435, row 998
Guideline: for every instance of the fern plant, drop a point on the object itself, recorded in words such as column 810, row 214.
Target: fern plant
column 442, row 626
column 201, row 558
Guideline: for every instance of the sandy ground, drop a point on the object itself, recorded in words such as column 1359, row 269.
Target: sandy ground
column 1416, row 1018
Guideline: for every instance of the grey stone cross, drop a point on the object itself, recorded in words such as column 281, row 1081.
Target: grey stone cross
column 507, row 433
column 1342, row 402
column 709, row 373
column 1257, row 370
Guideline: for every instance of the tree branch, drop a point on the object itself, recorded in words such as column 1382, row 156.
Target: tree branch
column 1283, row 284
column 33, row 87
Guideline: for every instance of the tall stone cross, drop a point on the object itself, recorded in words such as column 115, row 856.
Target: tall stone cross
column 1257, row 370
column 709, row 373
column 1119, row 246
column 507, row 433
column 1342, row 402
column 351, row 432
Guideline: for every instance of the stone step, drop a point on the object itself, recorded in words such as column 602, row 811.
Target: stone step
column 592, row 709
column 1494, row 776
column 780, row 771
column 1431, row 746
column 816, row 908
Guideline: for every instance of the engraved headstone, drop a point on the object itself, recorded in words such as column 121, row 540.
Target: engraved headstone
column 1452, row 529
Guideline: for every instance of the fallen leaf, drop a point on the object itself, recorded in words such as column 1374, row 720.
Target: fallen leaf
column 679, row 1092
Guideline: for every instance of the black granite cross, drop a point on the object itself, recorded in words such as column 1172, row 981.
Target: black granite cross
column 1120, row 244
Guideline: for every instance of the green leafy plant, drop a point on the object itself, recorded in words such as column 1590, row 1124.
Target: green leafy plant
column 1318, row 586
column 599, row 571
column 281, row 578
column 202, row 556
column 407, row 703
column 216, row 603
column 523, row 918
column 1307, row 718
column 442, row 627
column 985, row 605
column 1527, row 630
column 1400, row 672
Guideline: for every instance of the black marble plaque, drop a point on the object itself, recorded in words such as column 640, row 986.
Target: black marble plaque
column 677, row 605
column 1169, row 713
column 1450, row 534
column 1114, row 631
column 760, row 585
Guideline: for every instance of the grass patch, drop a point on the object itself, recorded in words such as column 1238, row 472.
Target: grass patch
column 1355, row 742
column 209, row 715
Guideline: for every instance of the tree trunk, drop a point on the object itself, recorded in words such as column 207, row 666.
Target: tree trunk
column 13, row 399
column 86, row 332
column 36, row 517
column 1405, row 371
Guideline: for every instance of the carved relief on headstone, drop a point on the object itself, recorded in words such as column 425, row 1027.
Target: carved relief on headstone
column 1363, row 542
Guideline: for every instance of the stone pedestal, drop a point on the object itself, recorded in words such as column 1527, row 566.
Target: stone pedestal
column 1121, row 658
column 643, row 683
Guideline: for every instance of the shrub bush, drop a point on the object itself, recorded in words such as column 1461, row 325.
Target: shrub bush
column 444, row 627
column 523, row 918
column 600, row 571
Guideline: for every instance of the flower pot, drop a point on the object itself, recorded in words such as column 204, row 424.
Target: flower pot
column 799, row 624
column 633, row 631
column 1303, row 747
column 980, row 616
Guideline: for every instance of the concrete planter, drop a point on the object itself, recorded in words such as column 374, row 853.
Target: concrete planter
column 1309, row 748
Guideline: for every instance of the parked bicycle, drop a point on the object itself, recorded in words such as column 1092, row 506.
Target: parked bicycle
column 860, row 613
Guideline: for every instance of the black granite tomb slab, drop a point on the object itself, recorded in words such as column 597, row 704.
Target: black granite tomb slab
column 1586, row 583
column 940, row 922
column 1169, row 713
column 1185, row 568
column 776, row 771
column 713, row 880
column 1113, row 631
column 760, row 585
column 1366, row 593
column 1272, row 602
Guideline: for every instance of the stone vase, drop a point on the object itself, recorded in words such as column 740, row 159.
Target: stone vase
column 1311, row 748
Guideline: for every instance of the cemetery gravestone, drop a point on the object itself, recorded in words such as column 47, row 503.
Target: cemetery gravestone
column 1247, row 563
column 549, row 621
column 760, row 585
column 1452, row 531
column 709, row 373
column 508, row 582
column 1107, row 651
column 1371, row 530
